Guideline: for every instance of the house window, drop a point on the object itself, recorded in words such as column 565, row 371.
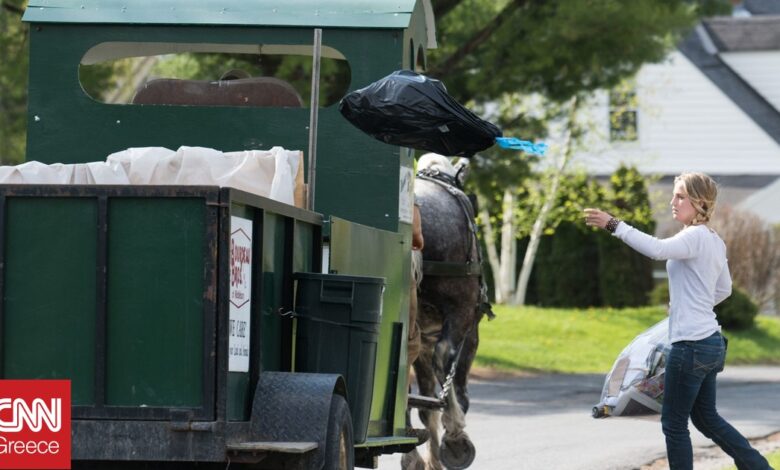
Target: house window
column 622, row 115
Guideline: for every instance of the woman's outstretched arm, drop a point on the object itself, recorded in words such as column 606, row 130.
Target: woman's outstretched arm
column 681, row 246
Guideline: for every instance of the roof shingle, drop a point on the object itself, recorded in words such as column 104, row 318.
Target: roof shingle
column 753, row 33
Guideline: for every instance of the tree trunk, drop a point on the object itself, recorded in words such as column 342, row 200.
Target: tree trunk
column 490, row 246
column 541, row 219
column 505, row 280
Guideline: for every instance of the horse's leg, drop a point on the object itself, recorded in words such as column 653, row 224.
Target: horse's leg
column 460, row 382
column 453, row 328
column 426, row 383
column 457, row 450
column 458, row 322
column 465, row 362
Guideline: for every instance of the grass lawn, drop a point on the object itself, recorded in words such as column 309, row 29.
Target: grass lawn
column 773, row 458
column 589, row 340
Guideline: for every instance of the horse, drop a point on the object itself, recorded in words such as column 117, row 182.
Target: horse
column 451, row 300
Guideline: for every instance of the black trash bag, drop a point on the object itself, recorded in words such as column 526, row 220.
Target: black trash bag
column 412, row 110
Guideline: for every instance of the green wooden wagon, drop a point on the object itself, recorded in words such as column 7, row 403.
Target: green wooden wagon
column 124, row 289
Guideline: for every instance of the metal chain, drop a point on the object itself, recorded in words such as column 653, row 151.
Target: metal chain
column 447, row 386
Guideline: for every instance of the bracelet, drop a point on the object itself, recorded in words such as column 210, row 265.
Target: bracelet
column 612, row 225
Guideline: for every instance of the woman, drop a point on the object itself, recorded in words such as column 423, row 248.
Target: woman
column 699, row 279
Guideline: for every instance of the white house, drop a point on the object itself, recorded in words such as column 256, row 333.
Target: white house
column 713, row 105
column 764, row 202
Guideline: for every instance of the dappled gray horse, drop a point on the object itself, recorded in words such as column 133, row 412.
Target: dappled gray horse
column 451, row 301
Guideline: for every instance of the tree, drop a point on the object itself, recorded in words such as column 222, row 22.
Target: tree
column 562, row 159
column 498, row 178
column 563, row 51
column 626, row 277
column 566, row 265
column 529, row 205
column 556, row 48
column 13, row 81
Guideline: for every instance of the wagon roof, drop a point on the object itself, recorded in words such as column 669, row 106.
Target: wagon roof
column 294, row 13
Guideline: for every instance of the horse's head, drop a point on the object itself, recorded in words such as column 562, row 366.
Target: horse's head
column 435, row 163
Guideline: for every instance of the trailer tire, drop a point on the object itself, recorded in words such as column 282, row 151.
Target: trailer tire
column 339, row 444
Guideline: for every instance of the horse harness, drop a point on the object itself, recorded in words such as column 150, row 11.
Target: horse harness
column 448, row 268
column 472, row 267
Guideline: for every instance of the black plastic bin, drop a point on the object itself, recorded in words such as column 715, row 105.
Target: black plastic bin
column 338, row 329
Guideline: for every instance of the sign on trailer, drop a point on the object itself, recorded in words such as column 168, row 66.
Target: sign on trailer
column 240, row 293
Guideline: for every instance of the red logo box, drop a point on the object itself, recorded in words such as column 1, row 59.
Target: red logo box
column 35, row 424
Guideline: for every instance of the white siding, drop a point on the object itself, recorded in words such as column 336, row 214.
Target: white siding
column 685, row 124
column 761, row 69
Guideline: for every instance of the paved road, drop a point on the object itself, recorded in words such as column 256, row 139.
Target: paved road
column 543, row 422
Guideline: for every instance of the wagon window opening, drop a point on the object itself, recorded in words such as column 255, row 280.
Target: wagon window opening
column 211, row 75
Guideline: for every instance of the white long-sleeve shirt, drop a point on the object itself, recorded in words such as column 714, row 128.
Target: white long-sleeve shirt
column 698, row 272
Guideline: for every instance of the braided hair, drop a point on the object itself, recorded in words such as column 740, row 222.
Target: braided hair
column 702, row 192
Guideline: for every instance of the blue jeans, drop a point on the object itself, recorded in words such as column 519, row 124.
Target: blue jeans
column 689, row 391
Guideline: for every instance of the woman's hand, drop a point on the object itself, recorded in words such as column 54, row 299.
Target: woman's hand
column 596, row 218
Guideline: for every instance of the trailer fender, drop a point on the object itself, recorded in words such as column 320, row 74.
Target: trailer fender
column 294, row 407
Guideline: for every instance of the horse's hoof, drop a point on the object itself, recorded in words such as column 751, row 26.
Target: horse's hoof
column 458, row 453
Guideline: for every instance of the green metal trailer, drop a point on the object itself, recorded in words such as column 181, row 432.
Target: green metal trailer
column 125, row 290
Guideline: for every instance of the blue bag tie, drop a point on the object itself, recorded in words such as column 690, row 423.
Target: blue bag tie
column 514, row 143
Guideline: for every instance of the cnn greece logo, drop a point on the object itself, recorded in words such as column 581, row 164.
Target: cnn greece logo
column 35, row 417
column 35, row 424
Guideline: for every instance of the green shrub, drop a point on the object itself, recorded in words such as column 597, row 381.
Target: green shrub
column 738, row 312
column 625, row 276
column 576, row 266
column 565, row 272
column 660, row 294
column 566, row 268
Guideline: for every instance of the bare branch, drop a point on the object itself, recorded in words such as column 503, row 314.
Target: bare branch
column 442, row 7
column 16, row 9
column 449, row 64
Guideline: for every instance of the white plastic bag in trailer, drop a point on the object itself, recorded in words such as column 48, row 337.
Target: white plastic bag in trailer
column 275, row 173
column 635, row 385
column 59, row 173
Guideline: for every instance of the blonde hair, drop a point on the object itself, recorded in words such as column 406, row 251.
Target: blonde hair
column 702, row 192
